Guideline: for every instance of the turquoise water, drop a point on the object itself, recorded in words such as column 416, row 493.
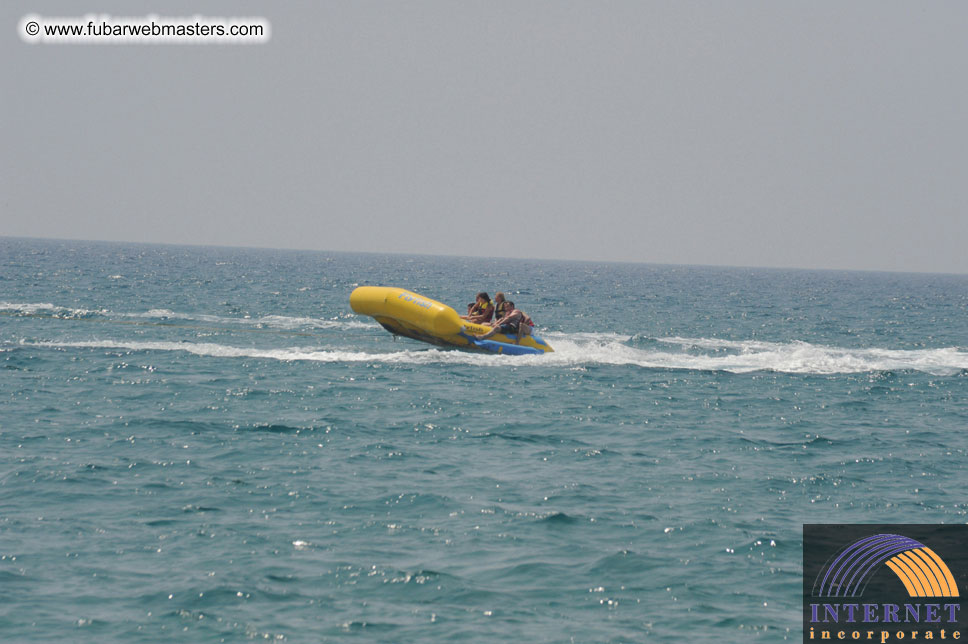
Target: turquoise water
column 205, row 444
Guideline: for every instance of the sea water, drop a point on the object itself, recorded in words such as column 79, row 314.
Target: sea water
column 206, row 444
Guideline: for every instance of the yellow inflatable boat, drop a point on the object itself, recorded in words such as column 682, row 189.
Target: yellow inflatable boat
column 406, row 313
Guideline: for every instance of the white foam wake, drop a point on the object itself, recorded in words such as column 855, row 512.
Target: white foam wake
column 293, row 354
column 587, row 350
column 48, row 309
column 281, row 322
column 746, row 356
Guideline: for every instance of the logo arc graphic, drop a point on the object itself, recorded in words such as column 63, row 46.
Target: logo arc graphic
column 922, row 572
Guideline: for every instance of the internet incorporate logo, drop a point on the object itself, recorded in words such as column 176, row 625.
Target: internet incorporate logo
column 908, row 590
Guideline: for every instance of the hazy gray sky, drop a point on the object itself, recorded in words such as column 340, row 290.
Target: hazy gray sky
column 807, row 134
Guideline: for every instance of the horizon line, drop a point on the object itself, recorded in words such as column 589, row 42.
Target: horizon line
column 499, row 257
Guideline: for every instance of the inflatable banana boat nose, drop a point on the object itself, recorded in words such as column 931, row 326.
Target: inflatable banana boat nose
column 409, row 314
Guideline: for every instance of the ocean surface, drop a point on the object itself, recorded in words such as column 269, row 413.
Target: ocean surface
column 207, row 445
